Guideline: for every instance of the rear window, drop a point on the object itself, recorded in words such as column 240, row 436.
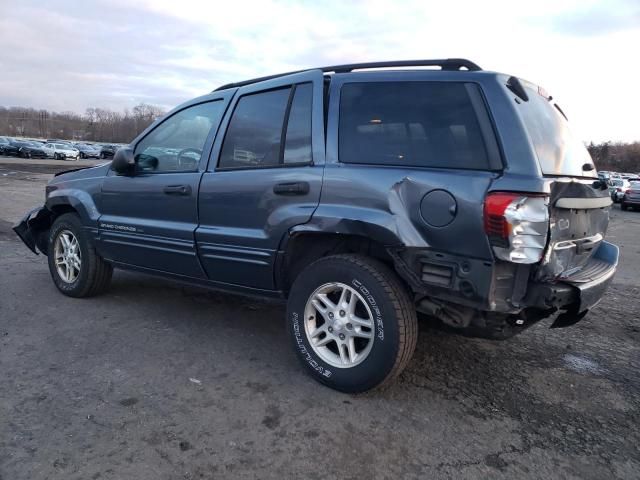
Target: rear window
column 417, row 124
column 559, row 152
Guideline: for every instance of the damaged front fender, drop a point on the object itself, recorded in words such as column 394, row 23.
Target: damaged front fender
column 32, row 227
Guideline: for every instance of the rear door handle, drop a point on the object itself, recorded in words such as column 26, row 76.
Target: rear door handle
column 291, row 188
column 178, row 190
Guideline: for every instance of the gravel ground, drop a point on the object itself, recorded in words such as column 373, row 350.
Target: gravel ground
column 154, row 380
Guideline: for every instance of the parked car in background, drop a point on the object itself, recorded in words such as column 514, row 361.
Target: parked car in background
column 61, row 151
column 617, row 186
column 32, row 149
column 108, row 151
column 13, row 148
column 87, row 151
column 4, row 142
column 631, row 196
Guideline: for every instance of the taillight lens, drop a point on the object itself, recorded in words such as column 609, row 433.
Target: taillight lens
column 517, row 225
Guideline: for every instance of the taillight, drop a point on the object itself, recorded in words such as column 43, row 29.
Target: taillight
column 628, row 190
column 618, row 189
column 517, row 225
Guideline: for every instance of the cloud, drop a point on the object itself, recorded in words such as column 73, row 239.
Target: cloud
column 117, row 53
column 600, row 19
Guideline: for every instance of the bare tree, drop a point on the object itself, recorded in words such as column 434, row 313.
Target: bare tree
column 96, row 124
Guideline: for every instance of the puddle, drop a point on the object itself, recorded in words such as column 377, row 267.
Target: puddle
column 582, row 365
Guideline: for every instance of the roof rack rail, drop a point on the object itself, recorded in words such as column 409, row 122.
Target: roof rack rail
column 445, row 64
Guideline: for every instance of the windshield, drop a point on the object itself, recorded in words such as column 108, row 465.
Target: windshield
column 559, row 152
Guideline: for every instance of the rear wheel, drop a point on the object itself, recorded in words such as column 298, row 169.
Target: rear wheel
column 352, row 322
column 75, row 267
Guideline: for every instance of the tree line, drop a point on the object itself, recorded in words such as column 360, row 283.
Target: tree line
column 97, row 124
column 616, row 157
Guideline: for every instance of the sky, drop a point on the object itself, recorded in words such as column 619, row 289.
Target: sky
column 67, row 55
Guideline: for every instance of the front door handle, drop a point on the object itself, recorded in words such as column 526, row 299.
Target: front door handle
column 178, row 190
column 291, row 188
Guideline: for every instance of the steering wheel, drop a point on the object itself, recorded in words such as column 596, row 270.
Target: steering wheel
column 182, row 162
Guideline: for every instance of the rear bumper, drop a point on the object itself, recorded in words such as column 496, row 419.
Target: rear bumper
column 576, row 294
column 630, row 201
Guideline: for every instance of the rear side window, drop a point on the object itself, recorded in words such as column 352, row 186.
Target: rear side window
column 417, row 124
column 269, row 129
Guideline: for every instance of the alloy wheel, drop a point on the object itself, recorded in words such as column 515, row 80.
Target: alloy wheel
column 67, row 256
column 339, row 325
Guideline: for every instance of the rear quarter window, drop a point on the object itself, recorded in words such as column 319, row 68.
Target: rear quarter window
column 416, row 124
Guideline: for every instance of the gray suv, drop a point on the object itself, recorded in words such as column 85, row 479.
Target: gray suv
column 362, row 195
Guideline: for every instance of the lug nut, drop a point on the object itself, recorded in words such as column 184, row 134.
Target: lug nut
column 349, row 326
column 342, row 313
column 330, row 329
column 330, row 315
column 341, row 336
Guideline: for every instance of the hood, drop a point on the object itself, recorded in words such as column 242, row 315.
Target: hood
column 83, row 172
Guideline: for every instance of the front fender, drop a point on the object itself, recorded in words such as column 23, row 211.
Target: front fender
column 80, row 200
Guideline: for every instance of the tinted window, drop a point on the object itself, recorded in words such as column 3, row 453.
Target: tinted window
column 422, row 124
column 176, row 144
column 559, row 152
column 297, row 148
column 255, row 130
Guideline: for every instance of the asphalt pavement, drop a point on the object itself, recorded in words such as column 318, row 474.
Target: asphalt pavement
column 155, row 380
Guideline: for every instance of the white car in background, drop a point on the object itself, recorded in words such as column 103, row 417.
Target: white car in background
column 61, row 151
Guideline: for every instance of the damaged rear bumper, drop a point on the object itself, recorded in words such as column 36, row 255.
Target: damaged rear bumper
column 31, row 228
column 575, row 294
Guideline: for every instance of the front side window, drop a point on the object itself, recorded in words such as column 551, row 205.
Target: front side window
column 255, row 137
column 416, row 124
column 176, row 144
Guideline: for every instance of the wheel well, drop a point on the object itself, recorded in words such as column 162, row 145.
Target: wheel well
column 305, row 248
column 58, row 210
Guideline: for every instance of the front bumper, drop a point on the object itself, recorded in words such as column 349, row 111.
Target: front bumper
column 31, row 228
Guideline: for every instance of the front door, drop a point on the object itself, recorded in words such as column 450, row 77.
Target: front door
column 265, row 177
column 149, row 218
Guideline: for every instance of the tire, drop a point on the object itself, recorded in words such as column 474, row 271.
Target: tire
column 101, row 156
column 94, row 272
column 623, row 206
column 82, row 155
column 380, row 295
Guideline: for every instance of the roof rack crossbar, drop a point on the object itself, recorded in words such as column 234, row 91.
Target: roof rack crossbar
column 445, row 64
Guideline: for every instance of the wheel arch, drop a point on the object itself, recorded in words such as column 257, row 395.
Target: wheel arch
column 304, row 246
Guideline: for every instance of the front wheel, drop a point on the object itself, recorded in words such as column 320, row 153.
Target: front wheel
column 352, row 322
column 75, row 267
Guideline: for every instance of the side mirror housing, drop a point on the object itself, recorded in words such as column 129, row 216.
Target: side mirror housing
column 124, row 162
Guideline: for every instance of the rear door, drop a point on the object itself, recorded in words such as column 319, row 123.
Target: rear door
column 264, row 177
column 149, row 219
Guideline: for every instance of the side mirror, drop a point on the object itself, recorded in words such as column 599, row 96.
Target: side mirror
column 124, row 162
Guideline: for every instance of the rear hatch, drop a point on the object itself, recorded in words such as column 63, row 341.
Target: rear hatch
column 578, row 209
